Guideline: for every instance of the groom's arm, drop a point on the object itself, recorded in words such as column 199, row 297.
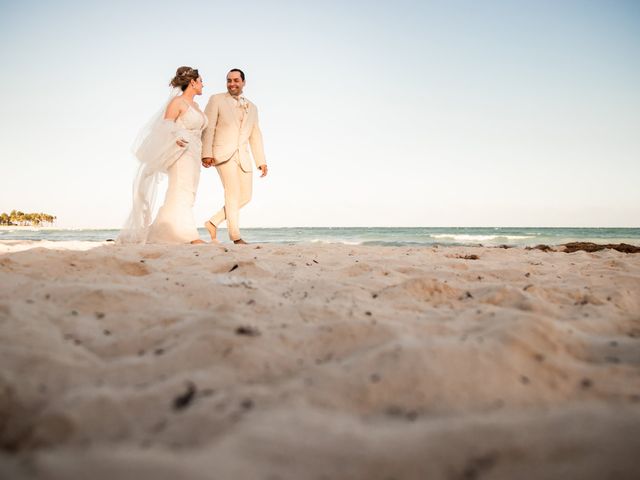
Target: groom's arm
column 211, row 111
column 257, row 147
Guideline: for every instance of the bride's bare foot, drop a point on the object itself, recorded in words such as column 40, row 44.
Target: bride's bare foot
column 197, row 242
column 240, row 242
column 213, row 231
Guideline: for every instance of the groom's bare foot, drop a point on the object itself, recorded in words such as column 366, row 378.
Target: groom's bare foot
column 240, row 242
column 213, row 231
column 197, row 242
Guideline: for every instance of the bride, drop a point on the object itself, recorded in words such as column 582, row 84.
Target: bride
column 170, row 144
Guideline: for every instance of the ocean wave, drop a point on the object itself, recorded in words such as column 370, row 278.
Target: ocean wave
column 370, row 236
column 335, row 240
column 465, row 237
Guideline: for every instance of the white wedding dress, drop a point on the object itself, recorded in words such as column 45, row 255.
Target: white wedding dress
column 174, row 222
column 159, row 154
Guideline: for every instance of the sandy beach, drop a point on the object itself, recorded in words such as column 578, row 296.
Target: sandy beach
column 317, row 361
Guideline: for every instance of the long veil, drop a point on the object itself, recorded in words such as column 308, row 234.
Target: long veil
column 156, row 150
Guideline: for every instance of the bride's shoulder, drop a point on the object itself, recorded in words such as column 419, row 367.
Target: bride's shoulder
column 178, row 102
column 176, row 107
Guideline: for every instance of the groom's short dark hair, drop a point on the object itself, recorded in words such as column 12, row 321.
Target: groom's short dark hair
column 239, row 71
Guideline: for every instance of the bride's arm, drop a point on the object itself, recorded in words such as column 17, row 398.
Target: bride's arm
column 174, row 110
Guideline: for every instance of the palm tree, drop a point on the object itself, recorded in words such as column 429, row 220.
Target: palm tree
column 16, row 217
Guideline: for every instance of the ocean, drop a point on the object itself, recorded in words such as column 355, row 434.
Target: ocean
column 416, row 236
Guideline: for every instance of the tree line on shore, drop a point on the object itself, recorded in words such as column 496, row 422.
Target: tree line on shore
column 22, row 219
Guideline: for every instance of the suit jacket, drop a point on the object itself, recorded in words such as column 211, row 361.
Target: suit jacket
column 225, row 134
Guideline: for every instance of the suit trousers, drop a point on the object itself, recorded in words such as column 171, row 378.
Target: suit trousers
column 237, row 193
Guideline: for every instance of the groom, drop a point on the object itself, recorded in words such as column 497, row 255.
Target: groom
column 233, row 126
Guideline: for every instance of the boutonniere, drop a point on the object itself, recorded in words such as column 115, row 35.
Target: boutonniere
column 244, row 104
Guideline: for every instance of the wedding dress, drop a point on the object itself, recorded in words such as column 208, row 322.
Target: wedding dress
column 159, row 155
column 174, row 222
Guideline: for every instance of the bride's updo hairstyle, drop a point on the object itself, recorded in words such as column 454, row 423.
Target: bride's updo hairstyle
column 183, row 77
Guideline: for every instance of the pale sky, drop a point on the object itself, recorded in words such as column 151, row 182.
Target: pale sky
column 390, row 113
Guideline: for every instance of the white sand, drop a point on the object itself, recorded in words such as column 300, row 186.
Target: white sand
column 350, row 362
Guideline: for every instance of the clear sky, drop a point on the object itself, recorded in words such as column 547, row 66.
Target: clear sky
column 389, row 113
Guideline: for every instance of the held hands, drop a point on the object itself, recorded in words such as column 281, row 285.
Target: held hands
column 263, row 168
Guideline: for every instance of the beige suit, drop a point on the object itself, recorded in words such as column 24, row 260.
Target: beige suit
column 231, row 130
